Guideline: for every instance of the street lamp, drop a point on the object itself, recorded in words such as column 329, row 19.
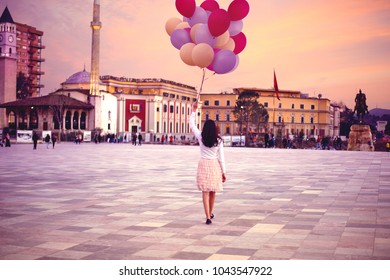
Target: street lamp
column 241, row 108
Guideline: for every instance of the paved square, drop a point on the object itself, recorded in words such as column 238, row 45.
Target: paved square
column 118, row 201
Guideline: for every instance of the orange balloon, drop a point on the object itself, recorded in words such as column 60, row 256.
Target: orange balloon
column 202, row 55
column 230, row 45
column 171, row 25
column 186, row 54
column 222, row 40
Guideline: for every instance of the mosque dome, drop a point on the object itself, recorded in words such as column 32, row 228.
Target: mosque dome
column 82, row 77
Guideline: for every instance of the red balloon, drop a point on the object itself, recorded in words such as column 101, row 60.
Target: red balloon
column 186, row 7
column 210, row 5
column 219, row 22
column 240, row 40
column 238, row 9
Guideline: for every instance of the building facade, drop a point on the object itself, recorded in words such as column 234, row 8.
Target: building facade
column 293, row 114
column 29, row 56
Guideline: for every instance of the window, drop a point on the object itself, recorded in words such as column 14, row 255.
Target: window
column 134, row 108
column 171, row 110
column 207, row 116
column 302, row 119
column 293, row 106
column 292, row 119
column 76, row 120
column 177, row 109
column 313, row 107
column 311, row 119
column 83, row 120
column 217, row 117
column 206, row 103
column 279, row 119
column 227, row 102
column 266, row 104
column 165, row 108
column 158, row 109
column 227, row 130
column 158, row 127
column 228, row 117
column 280, row 105
column 302, row 106
column 67, row 120
column 216, row 102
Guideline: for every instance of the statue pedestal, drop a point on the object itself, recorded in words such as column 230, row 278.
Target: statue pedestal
column 360, row 138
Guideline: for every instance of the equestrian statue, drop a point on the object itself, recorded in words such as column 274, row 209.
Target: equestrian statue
column 361, row 108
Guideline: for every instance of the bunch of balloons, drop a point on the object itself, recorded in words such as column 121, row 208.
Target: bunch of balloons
column 208, row 36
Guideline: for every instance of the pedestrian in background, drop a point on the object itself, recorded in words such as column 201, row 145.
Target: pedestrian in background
column 54, row 140
column 47, row 141
column 35, row 140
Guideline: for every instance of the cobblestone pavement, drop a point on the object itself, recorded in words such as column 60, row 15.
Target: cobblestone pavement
column 118, row 201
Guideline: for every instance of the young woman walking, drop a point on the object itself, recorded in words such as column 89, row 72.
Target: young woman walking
column 211, row 167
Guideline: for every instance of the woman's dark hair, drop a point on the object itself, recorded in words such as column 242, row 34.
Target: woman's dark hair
column 210, row 137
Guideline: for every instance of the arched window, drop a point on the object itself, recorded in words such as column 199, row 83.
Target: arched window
column 83, row 120
column 67, row 120
column 76, row 120
column 22, row 120
column 56, row 123
column 12, row 120
column 33, row 119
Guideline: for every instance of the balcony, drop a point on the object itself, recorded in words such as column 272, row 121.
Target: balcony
column 36, row 85
column 37, row 45
column 36, row 58
column 36, row 72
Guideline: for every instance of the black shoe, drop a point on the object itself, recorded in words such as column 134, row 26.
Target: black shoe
column 212, row 216
column 208, row 221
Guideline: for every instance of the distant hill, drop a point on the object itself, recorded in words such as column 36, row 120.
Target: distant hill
column 379, row 112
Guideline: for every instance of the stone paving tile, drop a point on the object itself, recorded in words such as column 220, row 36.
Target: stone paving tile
column 118, row 202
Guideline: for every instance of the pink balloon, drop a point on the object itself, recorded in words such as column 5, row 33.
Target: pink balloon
column 240, row 41
column 186, row 7
column 238, row 9
column 224, row 62
column 210, row 5
column 219, row 22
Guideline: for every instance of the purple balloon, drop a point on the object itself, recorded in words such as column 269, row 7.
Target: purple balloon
column 200, row 16
column 203, row 35
column 180, row 37
column 224, row 61
column 235, row 27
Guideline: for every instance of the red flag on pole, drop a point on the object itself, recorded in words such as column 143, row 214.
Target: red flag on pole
column 276, row 86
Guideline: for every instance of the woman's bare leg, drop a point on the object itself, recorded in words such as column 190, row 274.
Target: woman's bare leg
column 211, row 202
column 206, row 204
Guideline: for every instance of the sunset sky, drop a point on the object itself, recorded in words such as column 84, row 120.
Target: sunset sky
column 327, row 47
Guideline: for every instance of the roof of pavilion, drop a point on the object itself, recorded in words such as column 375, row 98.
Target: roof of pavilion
column 48, row 100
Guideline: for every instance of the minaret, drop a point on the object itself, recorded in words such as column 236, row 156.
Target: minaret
column 95, row 54
column 8, row 60
column 96, row 25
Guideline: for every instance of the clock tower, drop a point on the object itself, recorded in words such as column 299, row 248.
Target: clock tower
column 8, row 62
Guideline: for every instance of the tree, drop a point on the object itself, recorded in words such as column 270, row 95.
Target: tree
column 259, row 116
column 246, row 104
column 58, row 107
column 23, row 86
column 346, row 121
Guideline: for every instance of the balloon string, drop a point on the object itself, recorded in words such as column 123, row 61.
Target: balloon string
column 201, row 85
